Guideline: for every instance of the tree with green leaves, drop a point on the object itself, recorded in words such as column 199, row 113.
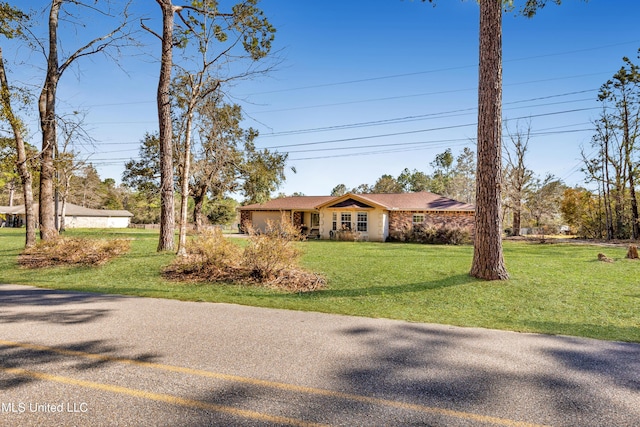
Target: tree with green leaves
column 463, row 180
column 9, row 177
column 262, row 173
column 254, row 34
column 440, row 182
column 217, row 162
column 143, row 177
column 582, row 211
column 414, row 181
column 544, row 200
column 200, row 76
column 339, row 190
column 387, row 184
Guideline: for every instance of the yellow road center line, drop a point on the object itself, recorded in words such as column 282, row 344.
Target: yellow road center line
column 161, row 397
column 282, row 386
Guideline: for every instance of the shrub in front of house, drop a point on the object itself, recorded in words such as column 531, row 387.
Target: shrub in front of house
column 210, row 256
column 270, row 258
column 428, row 234
column 273, row 251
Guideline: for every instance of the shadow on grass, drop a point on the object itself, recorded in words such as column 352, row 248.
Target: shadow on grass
column 449, row 281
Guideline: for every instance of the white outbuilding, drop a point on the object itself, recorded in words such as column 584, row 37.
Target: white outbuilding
column 75, row 217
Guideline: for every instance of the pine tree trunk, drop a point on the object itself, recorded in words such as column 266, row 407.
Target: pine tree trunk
column 167, row 209
column 488, row 261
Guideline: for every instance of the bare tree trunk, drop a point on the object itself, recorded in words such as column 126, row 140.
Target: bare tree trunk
column 635, row 227
column 23, row 168
column 63, row 214
column 186, row 171
column 628, row 145
column 47, row 110
column 167, row 209
column 516, row 219
column 12, row 191
column 488, row 261
column 197, row 211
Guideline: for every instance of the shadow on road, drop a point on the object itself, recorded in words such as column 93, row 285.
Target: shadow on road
column 36, row 305
column 17, row 356
column 48, row 297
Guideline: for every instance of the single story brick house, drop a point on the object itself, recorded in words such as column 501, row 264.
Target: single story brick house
column 372, row 217
column 75, row 217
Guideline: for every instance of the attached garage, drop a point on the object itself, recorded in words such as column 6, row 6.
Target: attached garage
column 260, row 218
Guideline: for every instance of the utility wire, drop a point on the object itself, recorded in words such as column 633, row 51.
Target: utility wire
column 438, row 70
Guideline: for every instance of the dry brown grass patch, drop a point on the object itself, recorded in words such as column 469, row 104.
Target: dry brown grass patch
column 72, row 251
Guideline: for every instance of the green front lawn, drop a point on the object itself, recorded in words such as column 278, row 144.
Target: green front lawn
column 554, row 288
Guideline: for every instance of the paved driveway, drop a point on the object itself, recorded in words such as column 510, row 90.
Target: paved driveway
column 87, row 359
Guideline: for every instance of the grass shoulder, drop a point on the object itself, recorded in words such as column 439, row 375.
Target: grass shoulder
column 554, row 288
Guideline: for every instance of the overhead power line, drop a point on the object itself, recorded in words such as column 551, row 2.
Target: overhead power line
column 439, row 70
column 405, row 119
column 357, row 138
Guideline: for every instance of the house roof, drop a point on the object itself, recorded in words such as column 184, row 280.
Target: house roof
column 417, row 201
column 422, row 201
column 289, row 203
column 71, row 210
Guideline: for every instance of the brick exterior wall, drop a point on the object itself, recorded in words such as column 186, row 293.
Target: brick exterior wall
column 401, row 221
column 298, row 220
column 245, row 217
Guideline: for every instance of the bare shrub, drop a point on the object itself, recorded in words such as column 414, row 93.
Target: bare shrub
column 273, row 251
column 269, row 259
column 210, row 256
column 72, row 251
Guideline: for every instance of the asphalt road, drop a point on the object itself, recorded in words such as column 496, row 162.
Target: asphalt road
column 73, row 359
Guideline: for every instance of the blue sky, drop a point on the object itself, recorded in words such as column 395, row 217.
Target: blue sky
column 370, row 87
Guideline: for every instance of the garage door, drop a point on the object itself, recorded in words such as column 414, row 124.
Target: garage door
column 259, row 218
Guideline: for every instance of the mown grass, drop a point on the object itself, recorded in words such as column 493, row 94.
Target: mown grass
column 554, row 288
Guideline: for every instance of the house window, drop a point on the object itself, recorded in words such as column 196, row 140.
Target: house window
column 315, row 220
column 335, row 222
column 345, row 221
column 361, row 224
column 418, row 219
